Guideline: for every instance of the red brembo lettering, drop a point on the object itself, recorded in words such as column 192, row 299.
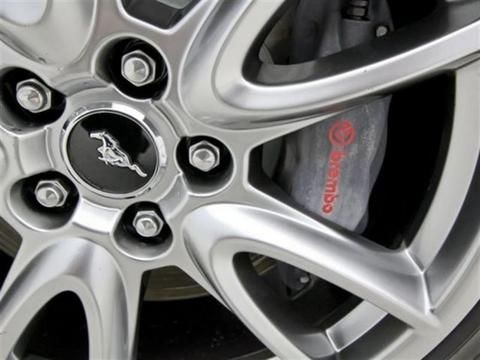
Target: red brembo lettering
column 340, row 135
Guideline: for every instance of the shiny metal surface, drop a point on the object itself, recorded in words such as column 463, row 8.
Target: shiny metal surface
column 148, row 224
column 204, row 156
column 138, row 68
column 51, row 193
column 33, row 96
column 381, row 30
column 158, row 133
column 418, row 288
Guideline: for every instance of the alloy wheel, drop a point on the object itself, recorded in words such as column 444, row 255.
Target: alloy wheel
column 196, row 130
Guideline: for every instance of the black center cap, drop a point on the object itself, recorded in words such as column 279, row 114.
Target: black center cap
column 112, row 153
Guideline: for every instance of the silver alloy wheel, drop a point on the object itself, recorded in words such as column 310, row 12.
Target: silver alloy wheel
column 424, row 289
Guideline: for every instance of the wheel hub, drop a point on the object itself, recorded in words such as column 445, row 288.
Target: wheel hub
column 113, row 153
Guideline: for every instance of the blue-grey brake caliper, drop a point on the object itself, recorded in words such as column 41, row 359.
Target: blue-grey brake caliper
column 331, row 167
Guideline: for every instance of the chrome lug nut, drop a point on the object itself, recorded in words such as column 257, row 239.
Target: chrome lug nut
column 381, row 31
column 204, row 156
column 304, row 279
column 33, row 96
column 148, row 223
column 51, row 193
column 138, row 68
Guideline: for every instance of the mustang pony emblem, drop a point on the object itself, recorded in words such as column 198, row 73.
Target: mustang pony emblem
column 112, row 154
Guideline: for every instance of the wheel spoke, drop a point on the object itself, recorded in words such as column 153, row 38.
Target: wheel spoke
column 81, row 28
column 176, row 40
column 387, row 279
column 70, row 21
column 5, row 146
column 110, row 299
column 108, row 21
column 22, row 155
column 31, row 152
column 196, row 82
column 279, row 92
column 96, row 219
column 457, row 175
column 12, row 57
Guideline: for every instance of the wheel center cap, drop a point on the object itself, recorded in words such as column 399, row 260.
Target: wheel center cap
column 113, row 153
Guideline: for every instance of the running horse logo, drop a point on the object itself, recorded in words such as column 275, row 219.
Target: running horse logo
column 112, row 154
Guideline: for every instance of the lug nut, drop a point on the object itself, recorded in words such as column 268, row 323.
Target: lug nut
column 51, row 193
column 381, row 31
column 138, row 68
column 148, row 223
column 304, row 279
column 204, row 156
column 33, row 96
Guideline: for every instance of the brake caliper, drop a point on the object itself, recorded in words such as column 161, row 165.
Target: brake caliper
column 330, row 168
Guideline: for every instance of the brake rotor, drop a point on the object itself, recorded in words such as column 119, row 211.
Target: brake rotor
column 171, row 283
